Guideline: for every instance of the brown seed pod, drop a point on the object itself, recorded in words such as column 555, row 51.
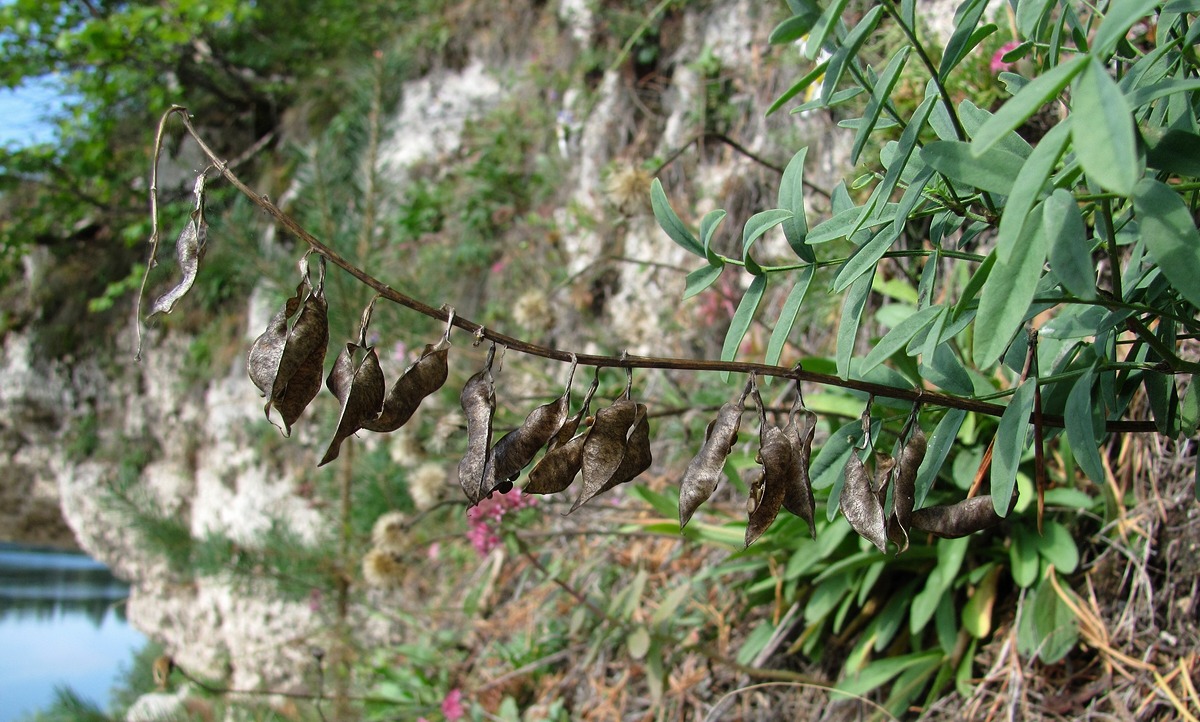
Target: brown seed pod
column 189, row 252
column 861, row 506
column 605, row 447
column 951, row 521
column 904, row 492
column 287, row 363
column 478, row 399
column 425, row 376
column 775, row 455
column 798, row 498
column 516, row 449
column 557, row 469
column 357, row 382
column 567, row 431
column 637, row 456
column 704, row 472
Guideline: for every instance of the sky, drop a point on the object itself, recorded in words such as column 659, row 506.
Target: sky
column 23, row 110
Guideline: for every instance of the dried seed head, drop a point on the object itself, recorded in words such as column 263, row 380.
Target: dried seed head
column 425, row 485
column 382, row 568
column 388, row 531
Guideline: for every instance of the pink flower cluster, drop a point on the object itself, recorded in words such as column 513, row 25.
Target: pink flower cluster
column 486, row 517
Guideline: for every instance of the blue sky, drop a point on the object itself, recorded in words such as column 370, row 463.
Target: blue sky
column 23, row 112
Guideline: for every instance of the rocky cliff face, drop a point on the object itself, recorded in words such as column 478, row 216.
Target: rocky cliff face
column 73, row 425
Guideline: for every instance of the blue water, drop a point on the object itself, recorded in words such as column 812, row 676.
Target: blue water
column 62, row 623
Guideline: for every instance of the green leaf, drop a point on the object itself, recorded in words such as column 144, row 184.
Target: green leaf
column 741, row 320
column 950, row 554
column 879, row 99
column 945, row 370
column 940, row 442
column 1028, row 187
column 848, row 49
column 831, row 459
column 1030, row 14
column 787, row 316
column 1033, row 96
column 864, row 258
column 760, row 223
column 791, row 197
column 1006, row 297
column 823, row 27
column 852, row 308
column 1166, row 225
column 1104, row 144
column 669, row 222
column 799, row 87
column 994, row 170
column 966, row 17
column 1147, row 94
column 1057, row 628
column 708, row 227
column 1177, row 151
column 1081, row 429
column 844, row 221
column 794, row 28
column 1058, row 547
column 1070, row 254
column 1023, row 556
column 638, row 642
column 881, row 671
column 1120, row 17
column 898, row 337
column 700, row 279
column 1011, row 440
column 977, row 614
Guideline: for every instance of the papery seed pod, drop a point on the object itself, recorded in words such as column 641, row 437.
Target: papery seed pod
column 704, row 472
column 798, row 498
column 775, row 455
column 516, row 449
column 637, row 456
column 861, row 506
column 557, row 469
column 904, row 491
column 951, row 521
column 422, row 378
column 189, row 252
column 567, row 431
column 287, row 364
column 357, row 382
column 475, row 471
column 605, row 447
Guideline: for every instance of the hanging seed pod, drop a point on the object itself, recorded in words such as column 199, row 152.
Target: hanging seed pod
column 425, row 376
column 516, row 449
column 637, row 456
column 861, row 506
column 567, row 431
column 478, row 399
column 189, row 252
column 904, row 493
column 357, row 382
column 605, row 446
column 951, row 521
column 287, row 361
column 798, row 497
column 564, row 455
column 775, row 455
column 704, row 472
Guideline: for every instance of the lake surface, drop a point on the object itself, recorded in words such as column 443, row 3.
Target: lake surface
column 62, row 622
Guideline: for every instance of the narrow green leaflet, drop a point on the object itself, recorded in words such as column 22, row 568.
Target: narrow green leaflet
column 881, row 671
column 760, row 223
column 1170, row 234
column 898, row 337
column 1177, row 151
column 1109, row 125
column 1081, row 431
column 1006, row 297
column 1028, row 187
column 938, row 448
column 1011, row 439
column 700, row 279
column 1070, row 254
column 1120, row 17
column 791, row 197
column 823, row 28
column 794, row 28
column 864, row 258
column 973, row 117
column 1030, row 14
column 852, row 308
column 848, row 49
column 741, row 320
column 1033, row 96
column 993, row 170
column 787, row 316
column 844, row 221
column 708, row 226
column 879, row 99
column 965, row 19
column 945, row 370
column 669, row 222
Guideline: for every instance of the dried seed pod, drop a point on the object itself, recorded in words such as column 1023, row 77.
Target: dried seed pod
column 904, row 492
column 798, row 498
column 357, row 382
column 425, row 376
column 557, row 469
column 516, row 449
column 287, row 363
column 567, row 431
column 475, row 471
column 861, row 506
column 704, row 472
column 605, row 446
column 775, row 455
column 189, row 252
column 637, row 456
column 951, row 521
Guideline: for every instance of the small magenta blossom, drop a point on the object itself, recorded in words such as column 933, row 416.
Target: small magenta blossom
column 998, row 65
column 485, row 518
column 452, row 706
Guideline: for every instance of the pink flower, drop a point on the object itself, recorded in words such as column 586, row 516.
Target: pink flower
column 998, row 65
column 485, row 518
column 434, row 551
column 452, row 706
